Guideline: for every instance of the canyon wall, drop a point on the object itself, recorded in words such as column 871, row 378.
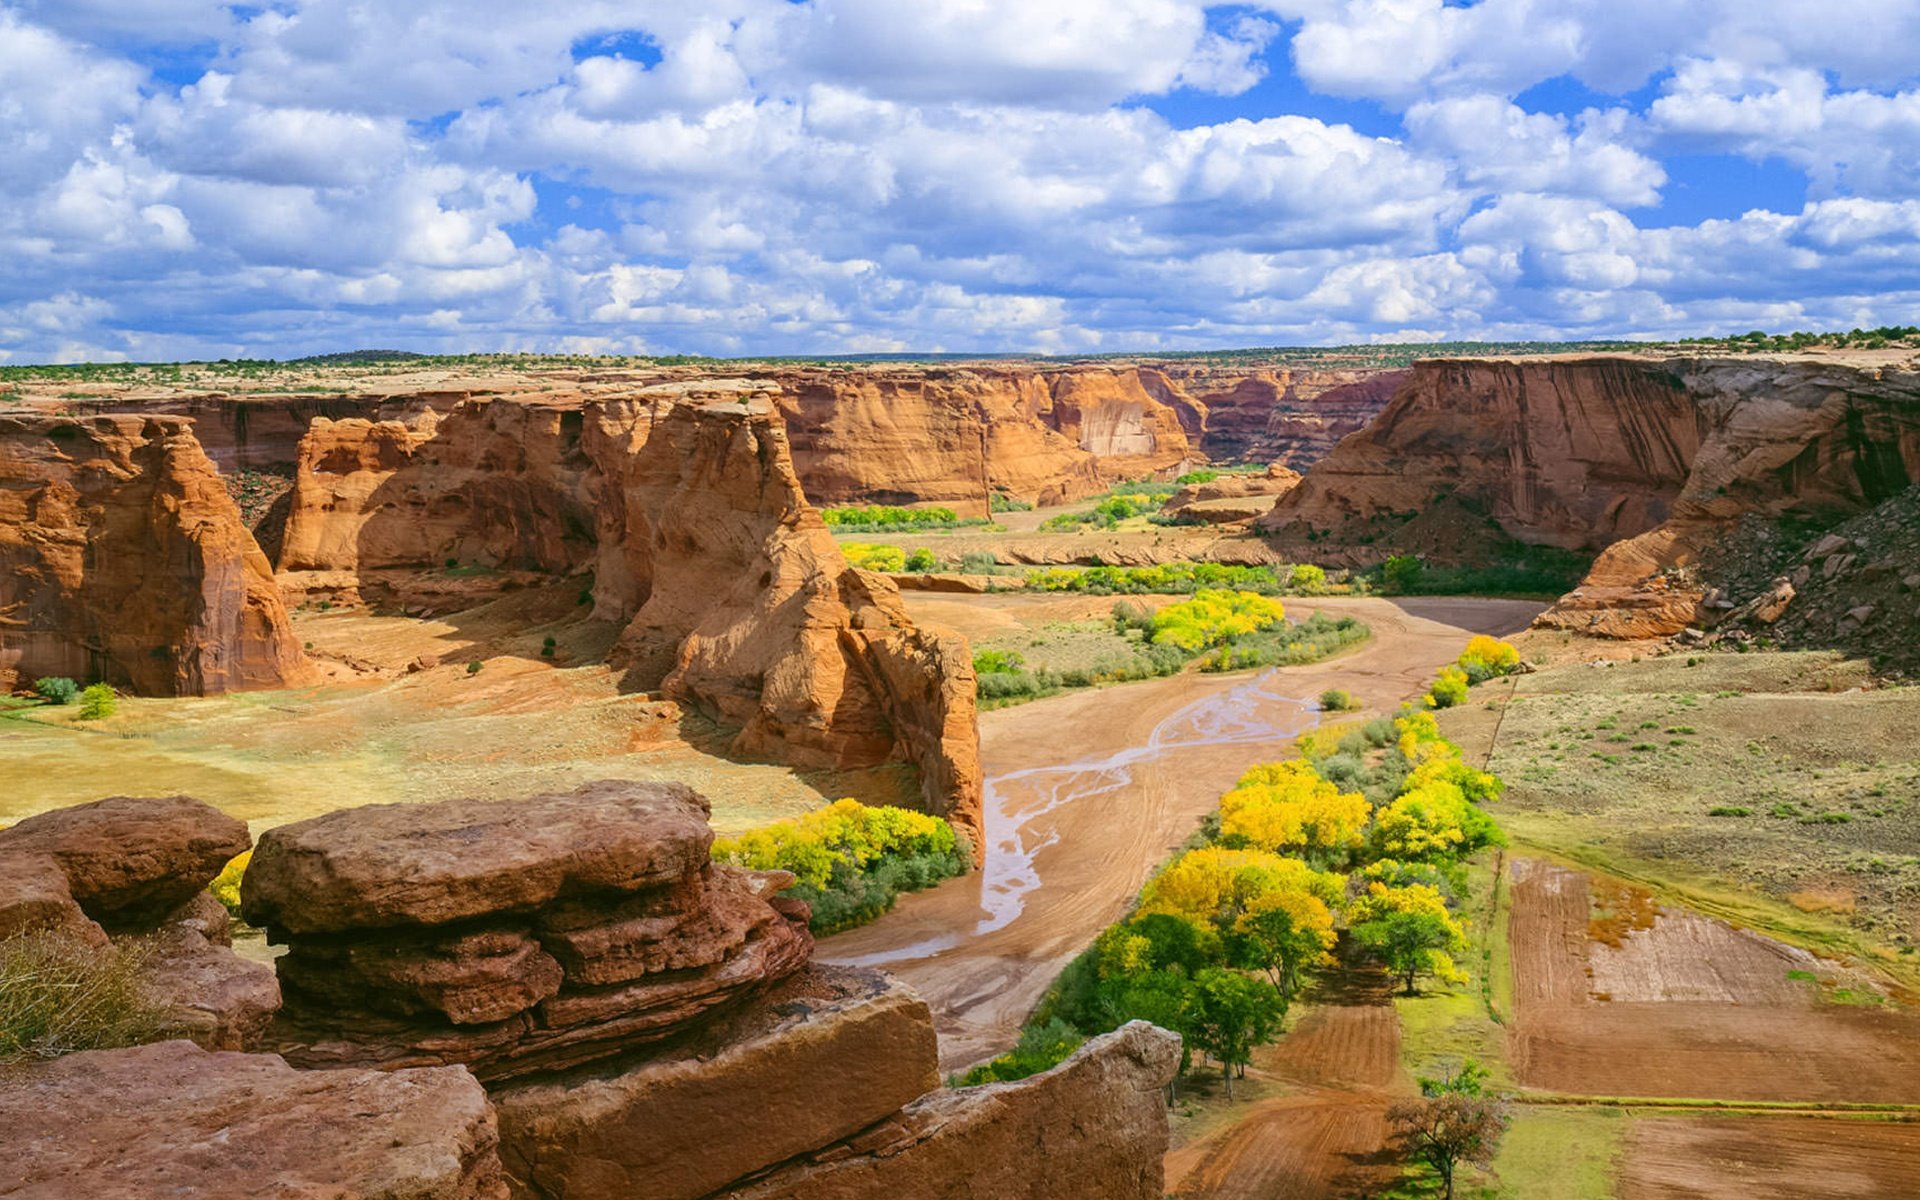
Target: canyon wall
column 1644, row 460
column 123, row 558
column 682, row 502
column 956, row 436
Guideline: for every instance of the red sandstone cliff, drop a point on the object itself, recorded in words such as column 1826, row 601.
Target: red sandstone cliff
column 682, row 501
column 123, row 558
column 1643, row 459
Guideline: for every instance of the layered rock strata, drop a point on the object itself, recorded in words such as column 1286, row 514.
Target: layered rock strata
column 512, row 936
column 682, row 503
column 1642, row 459
column 129, row 867
column 123, row 558
column 171, row 1119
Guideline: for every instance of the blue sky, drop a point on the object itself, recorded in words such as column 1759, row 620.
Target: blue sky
column 195, row 179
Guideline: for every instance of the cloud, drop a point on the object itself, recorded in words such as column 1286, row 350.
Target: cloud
column 735, row 176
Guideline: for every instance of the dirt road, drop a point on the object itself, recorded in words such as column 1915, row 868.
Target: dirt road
column 1086, row 792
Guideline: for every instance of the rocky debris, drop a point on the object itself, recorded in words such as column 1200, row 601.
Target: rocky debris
column 511, row 935
column 171, row 1119
column 682, row 503
column 131, row 861
column 942, row 581
column 1775, row 573
column 1092, row 1128
column 123, row 558
column 826, row 1055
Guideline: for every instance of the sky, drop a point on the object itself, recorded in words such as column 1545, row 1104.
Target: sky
column 185, row 179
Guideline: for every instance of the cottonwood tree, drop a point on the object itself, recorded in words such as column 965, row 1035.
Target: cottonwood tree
column 1228, row 1014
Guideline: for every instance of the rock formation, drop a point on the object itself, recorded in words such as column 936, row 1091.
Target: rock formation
column 681, row 501
column 1643, row 459
column 1094, row 1126
column 1232, row 498
column 128, row 867
column 640, row 1021
column 171, row 1119
column 123, row 558
column 955, row 436
column 511, row 935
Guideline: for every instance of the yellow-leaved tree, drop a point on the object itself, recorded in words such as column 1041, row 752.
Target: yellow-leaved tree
column 1218, row 885
column 1410, row 931
column 1288, row 806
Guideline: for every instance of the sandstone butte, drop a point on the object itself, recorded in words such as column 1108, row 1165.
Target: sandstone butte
column 1644, row 460
column 681, row 503
column 123, row 558
column 557, row 996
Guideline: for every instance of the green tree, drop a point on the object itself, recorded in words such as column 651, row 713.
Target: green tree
column 1401, row 573
column 1448, row 1129
column 1411, row 944
column 97, row 702
column 56, row 689
column 1230, row 1013
column 1283, row 934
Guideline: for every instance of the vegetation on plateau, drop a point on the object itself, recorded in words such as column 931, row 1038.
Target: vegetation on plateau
column 892, row 518
column 1362, row 839
column 850, row 860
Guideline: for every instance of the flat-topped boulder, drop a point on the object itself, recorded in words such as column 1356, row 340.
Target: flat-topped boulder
column 388, row 865
column 513, row 936
column 172, row 1119
column 128, row 860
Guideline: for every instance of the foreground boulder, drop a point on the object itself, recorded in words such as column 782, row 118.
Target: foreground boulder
column 131, row 861
column 1093, row 1128
column 123, row 558
column 513, row 936
column 171, row 1119
column 138, row 868
column 828, row 1054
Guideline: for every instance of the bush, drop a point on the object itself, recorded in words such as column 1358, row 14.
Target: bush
column 58, row 995
column 1000, row 502
column 997, row 661
column 56, row 689
column 1449, row 688
column 97, row 702
column 1214, row 618
column 473, row 668
column 889, row 517
column 1041, row 1048
column 851, row 860
column 1338, row 700
column 547, row 647
column 922, row 560
column 868, row 557
column 226, row 885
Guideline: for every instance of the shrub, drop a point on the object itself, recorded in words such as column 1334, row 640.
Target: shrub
column 889, row 517
column 875, row 558
column 1000, row 502
column 547, row 647
column 59, row 995
column 851, row 860
column 473, row 668
column 1041, row 1047
column 1000, row 661
column 97, row 702
column 1729, row 810
column 1307, row 579
column 56, row 689
column 1338, row 700
column 1214, row 618
column 226, row 885
column 1449, row 688
column 922, row 560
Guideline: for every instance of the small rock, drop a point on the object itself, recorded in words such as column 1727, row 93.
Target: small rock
column 1828, row 546
column 1861, row 613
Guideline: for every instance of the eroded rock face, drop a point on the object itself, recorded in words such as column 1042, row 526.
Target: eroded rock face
column 825, row 1056
column 512, row 936
column 172, row 1119
column 1641, row 459
column 955, row 436
column 682, row 502
column 1093, row 1128
column 122, row 557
